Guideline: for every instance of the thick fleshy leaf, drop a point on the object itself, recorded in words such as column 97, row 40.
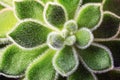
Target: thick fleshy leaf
column 7, row 22
column 97, row 58
column 6, row 2
column 71, row 26
column 54, row 15
column 71, row 6
column 42, row 68
column 84, row 38
column 113, row 6
column 70, row 40
column 29, row 9
column 65, row 61
column 89, row 16
column 15, row 60
column 114, row 46
column 91, row 1
column 109, row 26
column 55, row 41
column 45, row 1
column 30, row 34
column 82, row 74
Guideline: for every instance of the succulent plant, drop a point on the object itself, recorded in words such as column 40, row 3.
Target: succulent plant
column 58, row 39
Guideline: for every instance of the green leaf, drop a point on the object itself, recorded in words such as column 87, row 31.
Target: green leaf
column 82, row 74
column 55, row 15
column 30, row 34
column 42, row 68
column 70, row 40
column 29, row 9
column 91, row 1
column 113, row 6
column 15, row 60
column 96, row 58
column 89, row 16
column 45, row 1
column 71, row 6
column 7, row 22
column 65, row 61
column 84, row 38
column 7, row 2
column 55, row 41
column 71, row 26
column 114, row 46
column 109, row 26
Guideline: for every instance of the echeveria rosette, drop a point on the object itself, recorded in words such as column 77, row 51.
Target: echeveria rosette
column 68, row 31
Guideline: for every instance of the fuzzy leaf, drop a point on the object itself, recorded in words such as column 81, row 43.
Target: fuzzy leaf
column 84, row 38
column 97, row 58
column 45, row 1
column 54, row 15
column 7, row 22
column 114, row 46
column 91, row 1
column 82, row 74
column 70, row 6
column 55, row 40
column 41, row 68
column 30, row 34
column 113, row 6
column 71, row 26
column 89, row 16
column 108, row 27
column 29, row 9
column 65, row 61
column 15, row 60
column 7, row 2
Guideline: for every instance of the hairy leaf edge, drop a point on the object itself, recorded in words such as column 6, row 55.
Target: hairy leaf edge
column 91, row 39
column 70, row 72
column 101, row 16
column 102, row 71
column 44, row 13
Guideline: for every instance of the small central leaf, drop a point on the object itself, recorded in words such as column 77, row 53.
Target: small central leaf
column 70, row 40
column 71, row 26
column 84, row 38
column 55, row 40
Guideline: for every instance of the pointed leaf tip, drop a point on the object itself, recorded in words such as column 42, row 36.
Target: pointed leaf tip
column 29, row 9
column 41, row 68
column 55, row 15
column 29, row 34
column 66, row 61
column 97, row 58
column 90, row 16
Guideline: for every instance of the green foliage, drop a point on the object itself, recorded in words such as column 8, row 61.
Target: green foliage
column 58, row 39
